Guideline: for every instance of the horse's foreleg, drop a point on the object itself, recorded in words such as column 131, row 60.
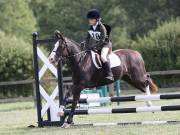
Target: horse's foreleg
column 148, row 103
column 62, row 107
column 76, row 97
column 74, row 104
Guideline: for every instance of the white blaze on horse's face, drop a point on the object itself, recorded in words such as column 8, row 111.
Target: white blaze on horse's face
column 52, row 56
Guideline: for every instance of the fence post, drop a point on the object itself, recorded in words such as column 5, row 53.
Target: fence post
column 34, row 93
column 36, row 75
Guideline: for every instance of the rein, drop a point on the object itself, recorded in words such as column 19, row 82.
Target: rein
column 70, row 56
column 74, row 55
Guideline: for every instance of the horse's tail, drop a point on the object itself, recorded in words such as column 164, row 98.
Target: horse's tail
column 153, row 86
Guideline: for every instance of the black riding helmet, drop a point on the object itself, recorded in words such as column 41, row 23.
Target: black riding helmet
column 93, row 14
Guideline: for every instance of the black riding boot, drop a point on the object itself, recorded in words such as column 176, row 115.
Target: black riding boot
column 109, row 74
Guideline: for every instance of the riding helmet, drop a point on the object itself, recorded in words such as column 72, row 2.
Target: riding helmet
column 93, row 14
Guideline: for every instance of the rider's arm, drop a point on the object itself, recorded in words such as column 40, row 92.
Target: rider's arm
column 103, row 35
column 86, row 42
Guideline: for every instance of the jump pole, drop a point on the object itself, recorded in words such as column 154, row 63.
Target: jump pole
column 127, row 123
column 127, row 98
column 125, row 110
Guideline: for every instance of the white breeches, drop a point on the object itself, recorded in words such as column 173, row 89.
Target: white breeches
column 104, row 54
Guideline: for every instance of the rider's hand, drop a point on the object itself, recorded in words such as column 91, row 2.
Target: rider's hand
column 82, row 44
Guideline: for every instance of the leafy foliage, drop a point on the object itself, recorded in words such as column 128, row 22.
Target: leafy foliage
column 17, row 18
column 161, row 47
column 151, row 27
column 15, row 58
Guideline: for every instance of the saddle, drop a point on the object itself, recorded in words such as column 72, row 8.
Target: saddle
column 113, row 59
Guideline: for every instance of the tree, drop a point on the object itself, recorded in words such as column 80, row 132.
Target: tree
column 17, row 18
column 129, row 19
column 15, row 58
column 161, row 47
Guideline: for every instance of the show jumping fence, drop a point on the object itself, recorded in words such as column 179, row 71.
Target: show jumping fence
column 51, row 108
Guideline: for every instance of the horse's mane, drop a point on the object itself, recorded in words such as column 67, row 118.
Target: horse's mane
column 69, row 40
column 73, row 41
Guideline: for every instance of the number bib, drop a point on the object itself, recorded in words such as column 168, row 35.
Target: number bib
column 95, row 34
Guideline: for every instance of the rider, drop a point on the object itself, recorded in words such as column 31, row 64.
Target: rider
column 98, row 38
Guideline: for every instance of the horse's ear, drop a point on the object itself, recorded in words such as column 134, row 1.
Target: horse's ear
column 62, row 36
column 57, row 34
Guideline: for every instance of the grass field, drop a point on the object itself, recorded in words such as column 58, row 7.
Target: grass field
column 16, row 117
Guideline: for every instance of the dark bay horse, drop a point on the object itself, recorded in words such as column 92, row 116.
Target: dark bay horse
column 86, row 75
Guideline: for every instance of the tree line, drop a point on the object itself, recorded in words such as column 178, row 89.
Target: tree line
column 151, row 27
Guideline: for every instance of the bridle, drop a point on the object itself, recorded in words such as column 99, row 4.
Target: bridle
column 68, row 51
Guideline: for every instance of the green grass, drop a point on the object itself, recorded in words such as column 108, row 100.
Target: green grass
column 16, row 117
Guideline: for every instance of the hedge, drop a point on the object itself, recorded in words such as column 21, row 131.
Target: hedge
column 15, row 58
column 161, row 47
column 15, row 64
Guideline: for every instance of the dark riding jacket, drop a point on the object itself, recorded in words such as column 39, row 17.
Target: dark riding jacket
column 98, row 38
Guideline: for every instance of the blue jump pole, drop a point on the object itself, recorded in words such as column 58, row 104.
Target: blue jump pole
column 118, row 90
column 104, row 92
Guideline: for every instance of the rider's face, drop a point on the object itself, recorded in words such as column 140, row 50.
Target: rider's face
column 92, row 21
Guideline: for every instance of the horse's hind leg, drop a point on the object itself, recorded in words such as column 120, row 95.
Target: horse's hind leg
column 141, row 84
column 150, row 87
column 145, row 85
column 148, row 93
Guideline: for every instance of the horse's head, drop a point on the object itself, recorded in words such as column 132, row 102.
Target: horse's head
column 61, row 49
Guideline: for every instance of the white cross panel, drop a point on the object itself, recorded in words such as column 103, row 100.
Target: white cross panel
column 50, row 99
column 46, row 65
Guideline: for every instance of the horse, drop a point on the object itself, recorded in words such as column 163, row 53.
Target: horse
column 85, row 74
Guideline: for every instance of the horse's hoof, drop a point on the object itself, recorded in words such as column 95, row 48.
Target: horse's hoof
column 149, row 104
column 60, row 113
column 65, row 125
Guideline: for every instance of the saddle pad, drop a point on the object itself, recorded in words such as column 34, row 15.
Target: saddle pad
column 113, row 58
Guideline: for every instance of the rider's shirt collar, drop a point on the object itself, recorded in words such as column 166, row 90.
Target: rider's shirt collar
column 95, row 26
